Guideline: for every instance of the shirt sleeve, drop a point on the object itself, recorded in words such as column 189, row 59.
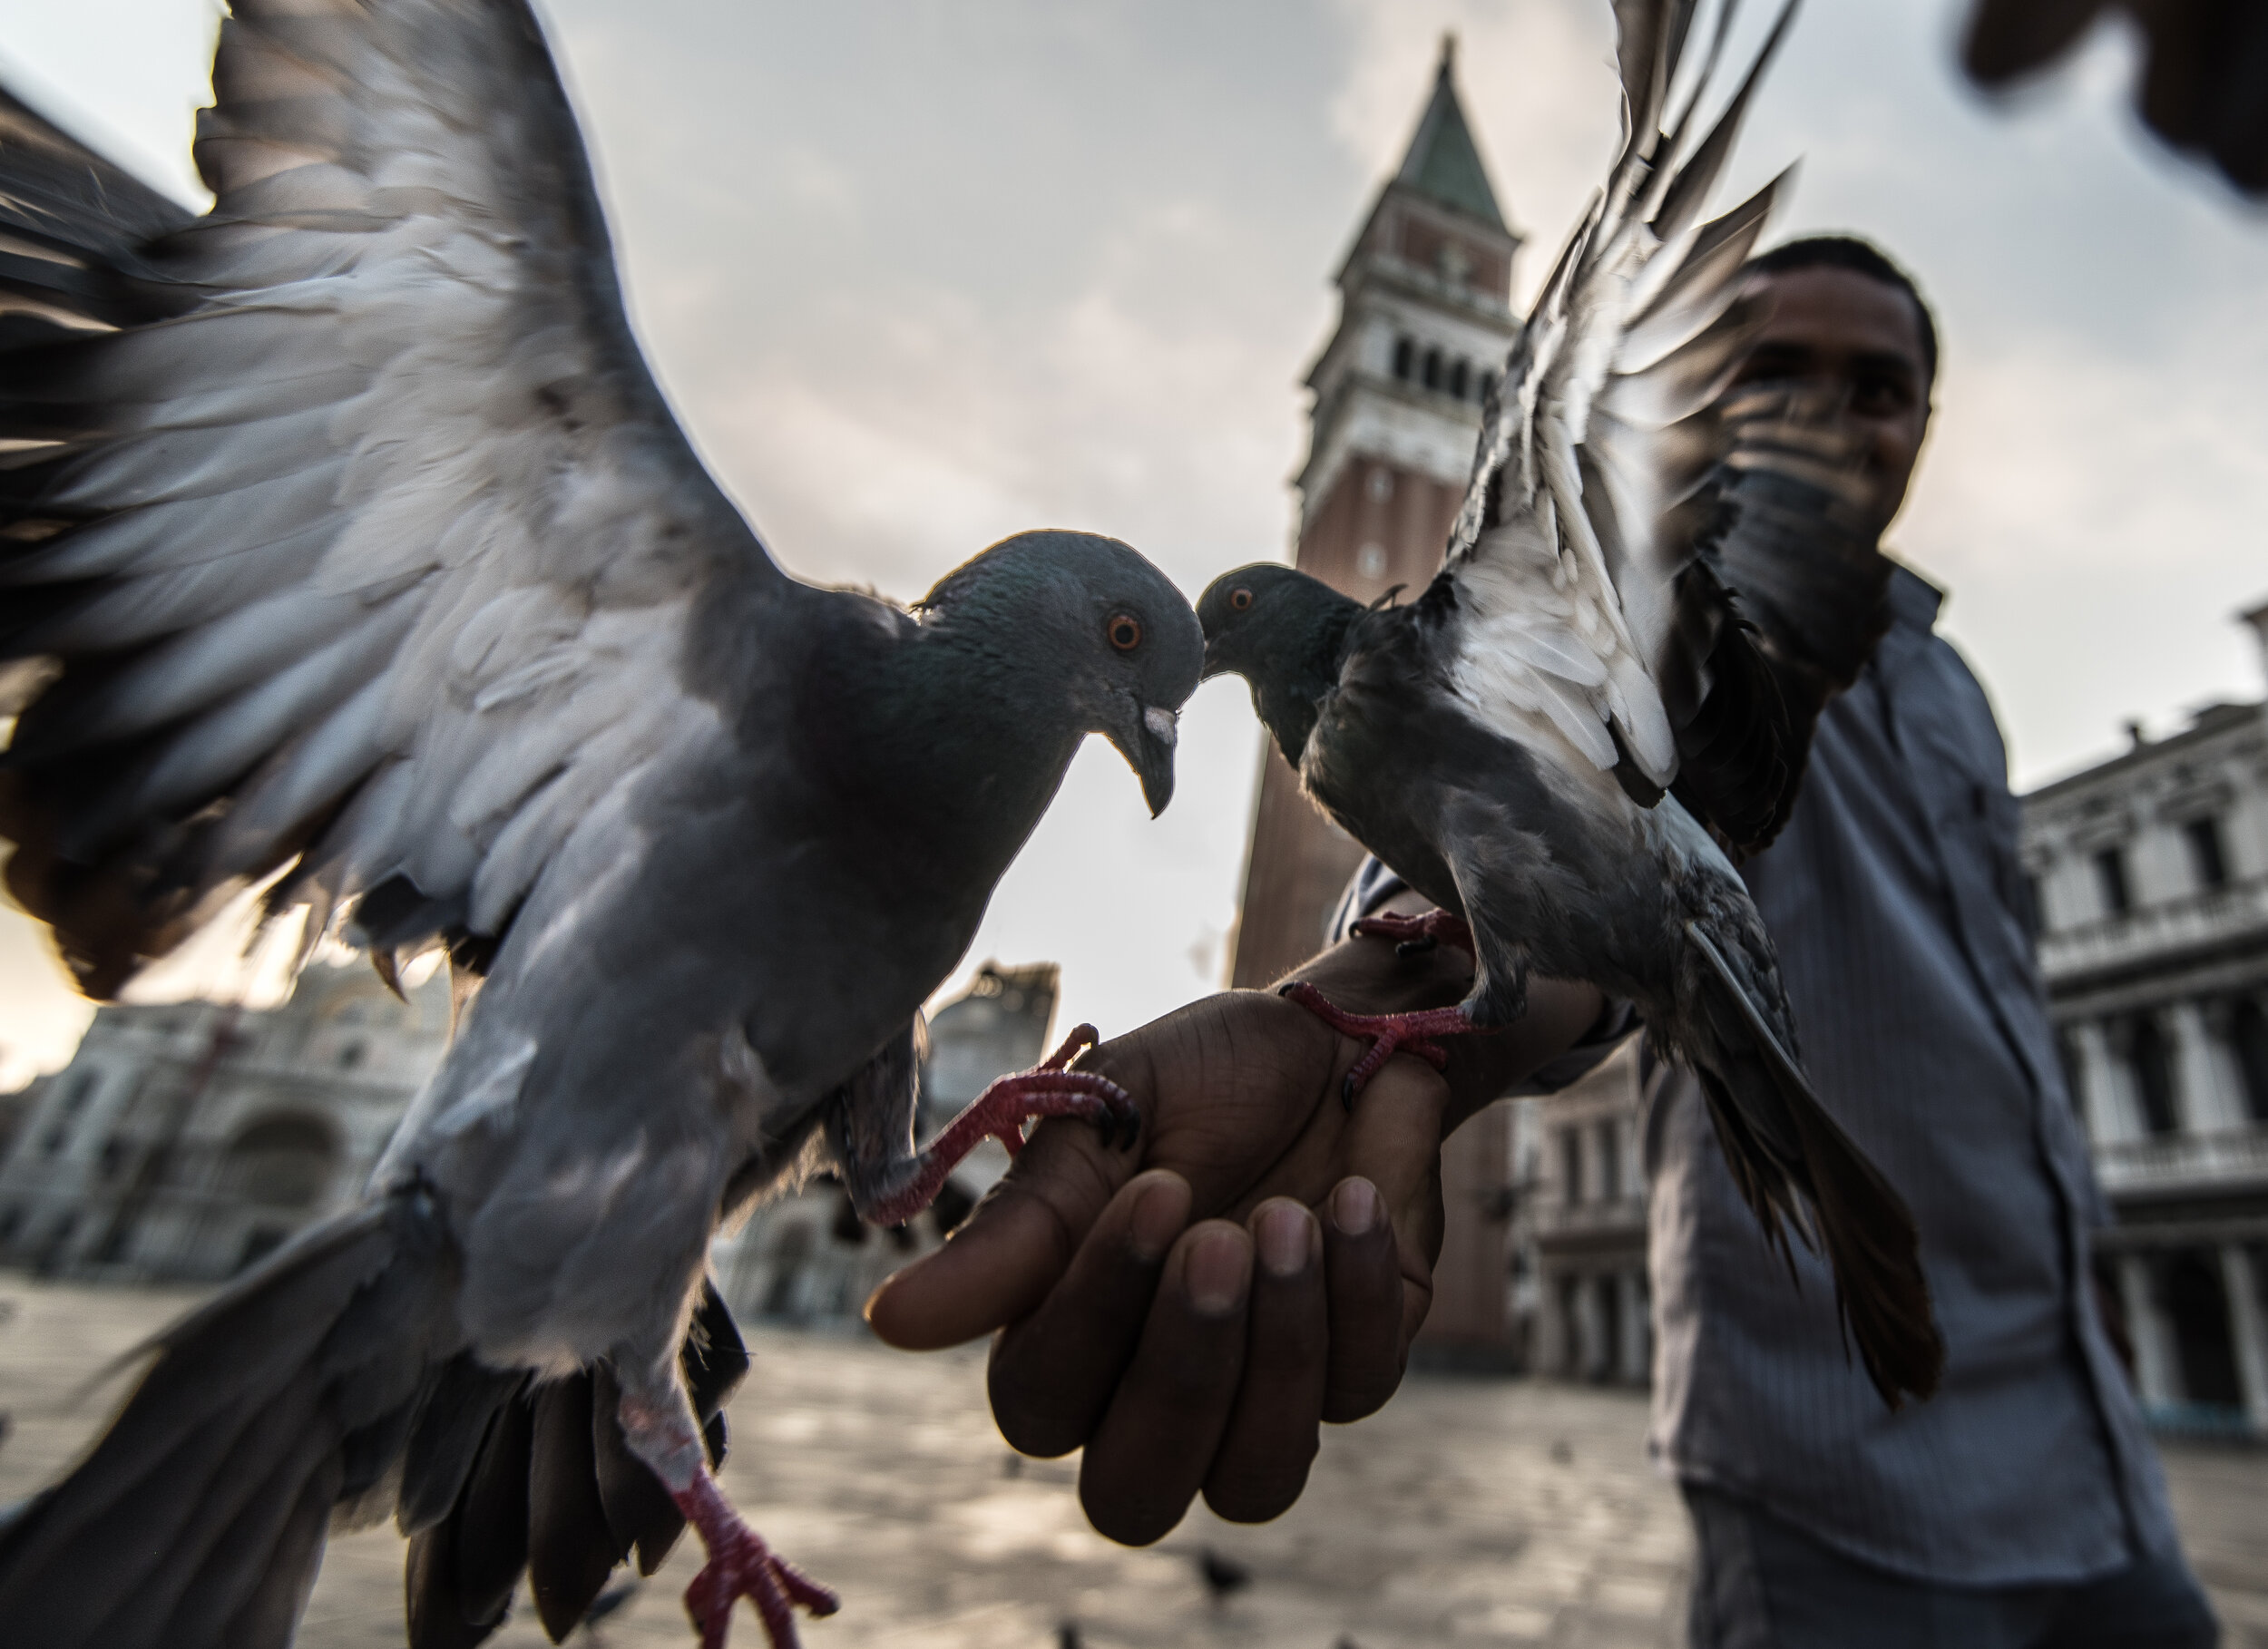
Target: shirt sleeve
column 1613, row 1027
column 1372, row 886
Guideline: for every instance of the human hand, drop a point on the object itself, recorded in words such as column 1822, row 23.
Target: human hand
column 1179, row 1364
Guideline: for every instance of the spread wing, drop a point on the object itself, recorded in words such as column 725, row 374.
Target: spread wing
column 346, row 540
column 1577, row 563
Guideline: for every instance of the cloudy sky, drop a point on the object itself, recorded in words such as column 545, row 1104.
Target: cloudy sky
column 921, row 273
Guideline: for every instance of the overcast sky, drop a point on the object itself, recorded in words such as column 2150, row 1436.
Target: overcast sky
column 919, row 275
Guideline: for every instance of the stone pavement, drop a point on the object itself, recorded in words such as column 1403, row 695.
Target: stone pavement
column 1471, row 1512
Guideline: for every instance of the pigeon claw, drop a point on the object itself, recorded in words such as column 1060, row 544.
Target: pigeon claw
column 1001, row 1111
column 1414, row 935
column 741, row 1565
column 1418, row 1034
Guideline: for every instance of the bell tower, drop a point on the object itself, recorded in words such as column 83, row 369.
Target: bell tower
column 1424, row 322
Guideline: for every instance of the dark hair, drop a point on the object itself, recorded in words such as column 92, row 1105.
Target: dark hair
column 1861, row 258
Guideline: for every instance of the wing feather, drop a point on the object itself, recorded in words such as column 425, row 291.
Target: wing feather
column 364, row 540
column 159, row 536
column 302, row 779
column 189, row 674
column 74, row 224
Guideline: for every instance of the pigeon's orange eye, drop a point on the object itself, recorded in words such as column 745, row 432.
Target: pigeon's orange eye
column 1125, row 632
column 1239, row 599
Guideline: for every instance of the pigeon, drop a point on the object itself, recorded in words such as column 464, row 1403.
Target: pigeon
column 1559, row 740
column 352, row 563
column 2204, row 87
column 1224, row 1576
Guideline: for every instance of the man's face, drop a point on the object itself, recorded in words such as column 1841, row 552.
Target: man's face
column 1856, row 342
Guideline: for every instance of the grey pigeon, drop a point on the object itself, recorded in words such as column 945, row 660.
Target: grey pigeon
column 1529, row 743
column 349, row 552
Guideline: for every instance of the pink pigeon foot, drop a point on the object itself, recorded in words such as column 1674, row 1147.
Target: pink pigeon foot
column 741, row 1565
column 1412, row 934
column 1417, row 1033
column 1000, row 1113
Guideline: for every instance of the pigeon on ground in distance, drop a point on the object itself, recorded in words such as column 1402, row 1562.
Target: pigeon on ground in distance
column 349, row 552
column 1545, row 741
column 1224, row 1576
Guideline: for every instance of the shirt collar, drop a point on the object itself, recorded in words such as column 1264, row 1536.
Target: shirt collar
column 1913, row 600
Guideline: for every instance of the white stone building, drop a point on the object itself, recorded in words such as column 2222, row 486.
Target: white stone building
column 1580, row 1286
column 184, row 1141
column 2150, row 872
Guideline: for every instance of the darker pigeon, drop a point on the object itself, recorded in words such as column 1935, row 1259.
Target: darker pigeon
column 1546, row 741
column 350, row 555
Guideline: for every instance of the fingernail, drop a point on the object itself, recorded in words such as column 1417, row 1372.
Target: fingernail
column 1219, row 1266
column 1354, row 1207
column 1282, row 1239
column 1159, row 1214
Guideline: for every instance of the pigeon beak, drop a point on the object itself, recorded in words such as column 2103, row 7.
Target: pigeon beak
column 1213, row 665
column 1149, row 750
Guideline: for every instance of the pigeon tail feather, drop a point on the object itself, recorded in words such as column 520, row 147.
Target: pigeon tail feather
column 1870, row 1243
column 280, row 1407
column 553, row 1492
column 1873, row 1249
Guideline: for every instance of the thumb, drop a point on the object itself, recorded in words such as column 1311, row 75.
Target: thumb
column 1012, row 1249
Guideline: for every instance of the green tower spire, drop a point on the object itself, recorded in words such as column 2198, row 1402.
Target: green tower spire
column 1444, row 163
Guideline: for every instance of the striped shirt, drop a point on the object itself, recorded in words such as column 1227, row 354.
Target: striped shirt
column 1897, row 901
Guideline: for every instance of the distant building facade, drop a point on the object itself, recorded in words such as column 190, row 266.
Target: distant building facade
column 807, row 1257
column 1583, row 1305
column 2150, row 872
column 184, row 1141
column 1425, row 320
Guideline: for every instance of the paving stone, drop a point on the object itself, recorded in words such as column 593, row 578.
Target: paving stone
column 1496, row 1515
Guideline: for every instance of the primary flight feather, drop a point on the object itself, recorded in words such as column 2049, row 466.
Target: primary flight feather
column 349, row 550
column 1561, row 737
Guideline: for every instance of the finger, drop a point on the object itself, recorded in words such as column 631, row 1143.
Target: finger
column 1016, row 1245
column 1366, row 1302
column 1157, row 1438
column 1262, row 1462
column 1052, row 1373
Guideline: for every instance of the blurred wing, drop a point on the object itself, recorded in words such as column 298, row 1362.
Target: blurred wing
column 373, row 563
column 2007, row 38
column 1576, row 560
column 2204, row 88
column 1799, row 557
